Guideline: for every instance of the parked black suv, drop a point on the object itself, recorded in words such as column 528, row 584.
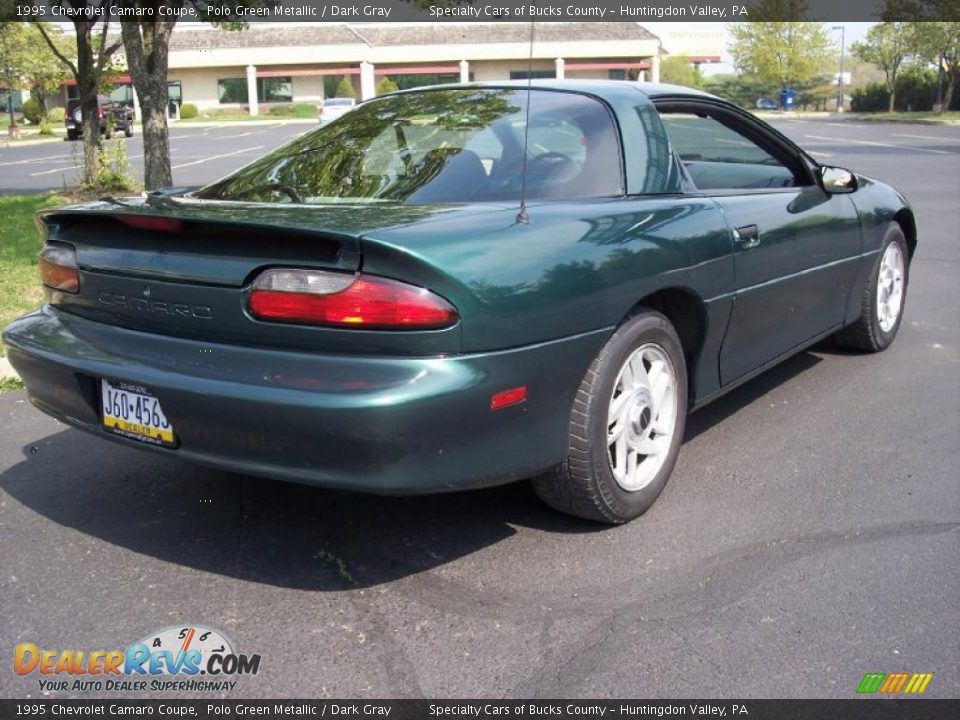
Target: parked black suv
column 111, row 114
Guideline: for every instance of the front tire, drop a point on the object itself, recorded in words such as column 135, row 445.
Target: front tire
column 128, row 129
column 883, row 299
column 626, row 426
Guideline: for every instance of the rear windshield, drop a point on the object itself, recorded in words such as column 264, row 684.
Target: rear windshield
column 442, row 146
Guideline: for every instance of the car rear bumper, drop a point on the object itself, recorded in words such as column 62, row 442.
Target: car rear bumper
column 389, row 425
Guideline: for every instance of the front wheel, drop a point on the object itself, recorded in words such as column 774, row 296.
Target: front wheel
column 882, row 302
column 626, row 425
column 128, row 129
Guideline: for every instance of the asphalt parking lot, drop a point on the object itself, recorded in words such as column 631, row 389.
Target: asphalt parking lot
column 199, row 155
column 809, row 534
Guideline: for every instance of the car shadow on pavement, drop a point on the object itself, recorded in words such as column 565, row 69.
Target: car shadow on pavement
column 288, row 535
column 751, row 391
column 260, row 530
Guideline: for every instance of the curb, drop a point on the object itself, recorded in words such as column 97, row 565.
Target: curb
column 28, row 143
column 909, row 121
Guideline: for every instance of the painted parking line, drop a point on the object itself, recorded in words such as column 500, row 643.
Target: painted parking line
column 217, row 157
column 239, row 135
column 37, row 161
column 844, row 141
column 78, row 168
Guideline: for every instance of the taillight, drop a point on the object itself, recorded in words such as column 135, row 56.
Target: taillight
column 318, row 297
column 100, row 113
column 58, row 267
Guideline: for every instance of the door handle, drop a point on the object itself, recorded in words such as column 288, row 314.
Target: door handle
column 746, row 237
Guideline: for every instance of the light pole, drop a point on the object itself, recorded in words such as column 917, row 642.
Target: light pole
column 843, row 34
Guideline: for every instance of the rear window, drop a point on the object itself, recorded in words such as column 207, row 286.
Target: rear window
column 442, row 146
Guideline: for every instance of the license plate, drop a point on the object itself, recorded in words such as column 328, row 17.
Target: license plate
column 131, row 411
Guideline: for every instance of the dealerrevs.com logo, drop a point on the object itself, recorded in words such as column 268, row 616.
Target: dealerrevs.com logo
column 193, row 658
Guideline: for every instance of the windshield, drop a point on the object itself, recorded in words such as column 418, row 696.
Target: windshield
column 442, row 146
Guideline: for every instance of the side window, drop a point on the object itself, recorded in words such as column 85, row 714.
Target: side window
column 718, row 157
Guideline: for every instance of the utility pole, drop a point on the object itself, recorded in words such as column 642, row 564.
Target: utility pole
column 843, row 38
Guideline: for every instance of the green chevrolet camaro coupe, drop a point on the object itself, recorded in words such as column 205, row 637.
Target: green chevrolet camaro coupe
column 462, row 286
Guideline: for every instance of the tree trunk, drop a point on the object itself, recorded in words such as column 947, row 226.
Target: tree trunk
column 951, row 86
column 893, row 97
column 156, row 140
column 146, row 47
column 87, row 87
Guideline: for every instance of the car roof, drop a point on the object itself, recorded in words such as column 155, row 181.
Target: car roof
column 600, row 88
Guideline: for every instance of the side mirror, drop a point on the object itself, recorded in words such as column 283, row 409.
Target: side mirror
column 836, row 181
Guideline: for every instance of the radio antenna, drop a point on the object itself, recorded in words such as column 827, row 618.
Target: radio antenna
column 523, row 218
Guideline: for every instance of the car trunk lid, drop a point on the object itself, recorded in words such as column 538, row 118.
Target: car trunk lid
column 182, row 267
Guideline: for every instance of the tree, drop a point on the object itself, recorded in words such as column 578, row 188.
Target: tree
column 678, row 70
column 344, row 88
column 939, row 44
column 888, row 45
column 781, row 53
column 147, row 47
column 45, row 73
column 94, row 50
column 14, row 58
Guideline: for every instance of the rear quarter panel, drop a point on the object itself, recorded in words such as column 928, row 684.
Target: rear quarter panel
column 576, row 267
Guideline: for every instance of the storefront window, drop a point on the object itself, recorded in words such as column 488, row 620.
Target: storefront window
column 275, row 90
column 232, row 90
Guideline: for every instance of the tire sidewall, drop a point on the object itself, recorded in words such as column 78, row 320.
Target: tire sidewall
column 885, row 338
column 650, row 327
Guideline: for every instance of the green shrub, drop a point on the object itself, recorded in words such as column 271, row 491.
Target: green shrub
column 344, row 89
column 32, row 111
column 56, row 115
column 386, row 85
column 45, row 127
column 114, row 172
column 280, row 110
column 188, row 110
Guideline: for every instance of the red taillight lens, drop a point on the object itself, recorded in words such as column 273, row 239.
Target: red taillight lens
column 318, row 297
column 146, row 222
column 58, row 268
column 100, row 113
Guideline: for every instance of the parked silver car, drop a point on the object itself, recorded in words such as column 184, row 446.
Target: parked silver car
column 333, row 108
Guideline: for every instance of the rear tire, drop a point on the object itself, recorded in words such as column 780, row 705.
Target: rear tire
column 72, row 135
column 883, row 298
column 626, row 426
column 128, row 129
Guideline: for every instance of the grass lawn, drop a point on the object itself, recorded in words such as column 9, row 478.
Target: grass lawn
column 19, row 244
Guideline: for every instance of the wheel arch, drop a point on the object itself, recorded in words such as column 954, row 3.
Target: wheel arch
column 908, row 224
column 687, row 312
